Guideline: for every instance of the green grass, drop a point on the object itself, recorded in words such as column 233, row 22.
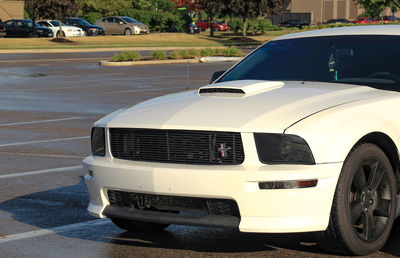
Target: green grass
column 126, row 56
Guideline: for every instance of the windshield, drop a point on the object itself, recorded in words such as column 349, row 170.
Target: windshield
column 130, row 20
column 364, row 60
column 55, row 23
column 83, row 22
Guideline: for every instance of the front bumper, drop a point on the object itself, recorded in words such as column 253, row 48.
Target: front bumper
column 283, row 210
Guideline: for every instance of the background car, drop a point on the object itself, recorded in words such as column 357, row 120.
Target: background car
column 88, row 28
column 192, row 28
column 294, row 24
column 391, row 18
column 365, row 20
column 218, row 25
column 2, row 29
column 122, row 25
column 334, row 21
column 67, row 31
column 24, row 28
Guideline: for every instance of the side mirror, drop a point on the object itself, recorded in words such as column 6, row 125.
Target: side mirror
column 216, row 75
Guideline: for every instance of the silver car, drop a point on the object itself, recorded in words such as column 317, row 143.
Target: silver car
column 122, row 25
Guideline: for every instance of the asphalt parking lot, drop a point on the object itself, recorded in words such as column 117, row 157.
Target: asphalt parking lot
column 47, row 106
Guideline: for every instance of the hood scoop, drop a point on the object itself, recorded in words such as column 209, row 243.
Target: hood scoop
column 242, row 88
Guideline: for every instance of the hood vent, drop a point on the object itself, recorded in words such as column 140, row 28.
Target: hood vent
column 221, row 90
column 242, row 88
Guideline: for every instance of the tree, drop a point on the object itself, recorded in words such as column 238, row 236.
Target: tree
column 211, row 8
column 105, row 7
column 191, row 5
column 247, row 9
column 374, row 8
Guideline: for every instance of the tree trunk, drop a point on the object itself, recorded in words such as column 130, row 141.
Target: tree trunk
column 60, row 31
column 244, row 29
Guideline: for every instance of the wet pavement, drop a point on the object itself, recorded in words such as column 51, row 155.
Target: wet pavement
column 47, row 107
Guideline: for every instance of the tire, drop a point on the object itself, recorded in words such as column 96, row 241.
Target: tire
column 365, row 195
column 58, row 34
column 128, row 32
column 138, row 226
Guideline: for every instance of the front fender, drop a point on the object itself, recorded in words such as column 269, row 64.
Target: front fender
column 331, row 134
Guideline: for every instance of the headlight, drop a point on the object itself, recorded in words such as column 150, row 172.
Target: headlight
column 98, row 141
column 283, row 149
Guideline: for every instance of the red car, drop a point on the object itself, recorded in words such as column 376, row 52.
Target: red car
column 218, row 25
column 365, row 20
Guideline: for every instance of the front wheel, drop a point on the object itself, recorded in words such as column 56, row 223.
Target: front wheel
column 128, row 32
column 364, row 205
column 138, row 226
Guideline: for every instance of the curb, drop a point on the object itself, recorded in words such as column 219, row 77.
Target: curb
column 149, row 62
column 207, row 59
column 217, row 59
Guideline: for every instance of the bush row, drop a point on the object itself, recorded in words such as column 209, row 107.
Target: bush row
column 179, row 54
column 253, row 25
column 157, row 21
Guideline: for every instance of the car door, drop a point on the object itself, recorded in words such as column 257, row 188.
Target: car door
column 10, row 28
column 21, row 28
column 120, row 26
column 109, row 25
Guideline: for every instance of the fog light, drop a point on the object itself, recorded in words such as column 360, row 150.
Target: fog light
column 288, row 184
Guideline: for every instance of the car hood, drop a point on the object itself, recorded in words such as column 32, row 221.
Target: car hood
column 263, row 106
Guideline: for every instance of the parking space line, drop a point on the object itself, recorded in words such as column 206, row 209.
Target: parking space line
column 55, row 230
column 43, row 141
column 38, row 172
column 42, row 121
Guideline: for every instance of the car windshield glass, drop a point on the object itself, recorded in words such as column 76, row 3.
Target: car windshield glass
column 128, row 19
column 362, row 60
column 83, row 22
column 55, row 23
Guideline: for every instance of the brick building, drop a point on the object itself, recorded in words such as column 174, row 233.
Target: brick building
column 322, row 10
column 11, row 10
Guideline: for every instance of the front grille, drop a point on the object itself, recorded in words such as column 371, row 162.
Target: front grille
column 177, row 146
column 173, row 203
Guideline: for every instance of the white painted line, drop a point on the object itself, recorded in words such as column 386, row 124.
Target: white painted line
column 56, row 230
column 43, row 141
column 38, row 172
column 42, row 121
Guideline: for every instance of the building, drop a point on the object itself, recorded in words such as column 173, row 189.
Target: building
column 320, row 11
column 11, row 10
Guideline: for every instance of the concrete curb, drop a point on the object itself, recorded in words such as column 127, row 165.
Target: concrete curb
column 149, row 62
column 217, row 59
column 207, row 59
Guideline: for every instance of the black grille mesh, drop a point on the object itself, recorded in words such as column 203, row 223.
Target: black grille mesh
column 173, row 203
column 177, row 146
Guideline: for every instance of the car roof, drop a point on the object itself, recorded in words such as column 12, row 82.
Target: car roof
column 345, row 31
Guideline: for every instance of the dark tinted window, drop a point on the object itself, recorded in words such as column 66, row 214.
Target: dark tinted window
column 364, row 60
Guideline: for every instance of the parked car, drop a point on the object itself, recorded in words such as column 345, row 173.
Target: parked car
column 365, row 20
column 2, row 29
column 24, row 28
column 297, row 137
column 218, row 25
column 335, row 21
column 67, row 31
column 122, row 25
column 392, row 18
column 88, row 29
column 192, row 28
column 294, row 24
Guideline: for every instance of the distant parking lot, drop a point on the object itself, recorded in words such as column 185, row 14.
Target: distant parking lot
column 48, row 103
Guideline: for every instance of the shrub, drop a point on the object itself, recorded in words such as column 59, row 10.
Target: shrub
column 235, row 24
column 207, row 52
column 92, row 17
column 233, row 51
column 126, row 56
column 159, row 55
column 253, row 26
column 192, row 53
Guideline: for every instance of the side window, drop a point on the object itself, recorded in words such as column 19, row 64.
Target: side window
column 9, row 24
column 110, row 19
column 19, row 24
column 44, row 24
column 118, row 21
